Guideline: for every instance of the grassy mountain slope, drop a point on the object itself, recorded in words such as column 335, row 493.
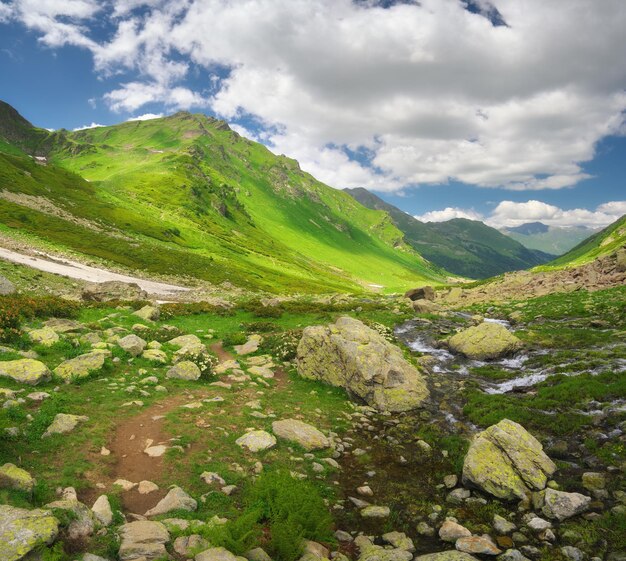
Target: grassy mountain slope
column 464, row 247
column 555, row 241
column 605, row 242
column 185, row 195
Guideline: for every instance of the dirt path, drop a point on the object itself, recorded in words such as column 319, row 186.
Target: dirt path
column 75, row 270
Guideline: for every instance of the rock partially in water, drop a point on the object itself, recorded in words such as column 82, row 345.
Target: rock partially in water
column 486, row 341
column 349, row 354
column 507, row 462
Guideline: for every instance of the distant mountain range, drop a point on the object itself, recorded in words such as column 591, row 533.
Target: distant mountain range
column 464, row 247
column 550, row 239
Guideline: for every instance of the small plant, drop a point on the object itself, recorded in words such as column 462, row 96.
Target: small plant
column 282, row 346
column 206, row 362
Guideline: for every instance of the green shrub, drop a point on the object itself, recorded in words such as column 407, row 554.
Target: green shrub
column 234, row 338
column 282, row 346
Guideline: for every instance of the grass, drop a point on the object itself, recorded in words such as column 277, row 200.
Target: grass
column 182, row 196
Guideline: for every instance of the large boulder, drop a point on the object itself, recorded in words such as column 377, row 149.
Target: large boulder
column 82, row 365
column 301, row 433
column 485, row 341
column 185, row 370
column 23, row 530
column 143, row 539
column 349, row 354
column 25, row 370
column 113, row 290
column 507, row 462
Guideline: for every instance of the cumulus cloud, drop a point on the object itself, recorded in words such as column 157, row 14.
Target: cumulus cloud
column 85, row 127
column 146, row 117
column 432, row 90
column 511, row 213
column 448, row 214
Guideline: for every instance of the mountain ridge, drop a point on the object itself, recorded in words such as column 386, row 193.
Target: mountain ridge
column 460, row 246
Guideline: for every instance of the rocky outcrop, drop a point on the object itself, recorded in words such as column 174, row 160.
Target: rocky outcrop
column 485, row 341
column 422, row 293
column 25, row 371
column 23, row 530
column 507, row 462
column 44, row 336
column 349, row 354
column 113, row 290
column 301, row 433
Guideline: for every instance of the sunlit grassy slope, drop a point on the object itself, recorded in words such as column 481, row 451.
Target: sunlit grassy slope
column 185, row 195
column 605, row 242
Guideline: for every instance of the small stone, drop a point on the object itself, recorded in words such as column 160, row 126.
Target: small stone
column 561, row 505
column 373, row 511
column 451, row 531
column 62, row 424
column 146, row 487
column 481, row 545
column 502, row 525
column 176, row 499
column 450, row 481
column 102, row 510
column 256, row 441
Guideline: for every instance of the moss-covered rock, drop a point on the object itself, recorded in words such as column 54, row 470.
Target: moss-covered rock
column 44, row 336
column 25, row 371
column 507, row 462
column 13, row 477
column 349, row 354
column 63, row 423
column 82, row 365
column 485, row 341
column 185, row 370
column 23, row 530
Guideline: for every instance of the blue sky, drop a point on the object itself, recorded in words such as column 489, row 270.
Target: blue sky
column 492, row 111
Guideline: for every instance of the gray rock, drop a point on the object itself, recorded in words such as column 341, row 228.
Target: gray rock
column 22, row 531
column 132, row 344
column 176, row 499
column 447, row 556
column 502, row 525
column 6, row 286
column 349, row 354
column 572, row 553
column 562, row 505
column 143, row 538
column 301, row 433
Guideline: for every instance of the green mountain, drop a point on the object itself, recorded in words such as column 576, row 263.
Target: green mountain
column 187, row 196
column 464, row 247
column 550, row 239
column 605, row 242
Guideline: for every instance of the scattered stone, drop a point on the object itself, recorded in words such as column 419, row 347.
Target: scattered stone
column 63, row 423
column 216, row 554
column 155, row 355
column 256, row 440
column 184, row 370
column 424, row 529
column 485, row 341
column 185, row 545
column 25, row 371
column 132, row 344
column 502, row 525
column 125, row 484
column 507, row 461
column 13, row 477
column 399, row 540
column 561, row 505
column 457, row 496
column 22, row 531
column 250, row 346
column 44, row 336
column 143, row 539
column 102, row 510
column 6, row 286
column 447, row 556
column 113, row 290
column 539, row 524
column 62, row 325
column 481, row 545
column 351, row 355
column 450, row 481
column 572, row 553
column 146, row 487
column 422, row 293
column 302, row 433
column 38, row 396
column 593, row 481
column 451, row 531
column 512, row 555
column 211, row 478
column 176, row 499
column 343, row 536
column 155, row 451
column 373, row 511
column 148, row 313
column 257, row 554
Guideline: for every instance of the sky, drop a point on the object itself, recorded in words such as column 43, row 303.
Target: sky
column 507, row 111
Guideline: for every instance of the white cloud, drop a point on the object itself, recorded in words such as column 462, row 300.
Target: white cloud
column 433, row 91
column 511, row 213
column 5, row 12
column 448, row 214
column 85, row 127
column 146, row 117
